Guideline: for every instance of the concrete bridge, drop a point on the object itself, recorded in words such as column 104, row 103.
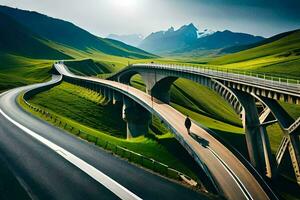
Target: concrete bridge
column 231, row 174
column 244, row 93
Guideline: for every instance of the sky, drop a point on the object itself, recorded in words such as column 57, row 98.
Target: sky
column 103, row 17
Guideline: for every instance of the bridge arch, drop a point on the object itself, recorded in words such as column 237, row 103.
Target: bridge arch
column 159, row 81
column 199, row 153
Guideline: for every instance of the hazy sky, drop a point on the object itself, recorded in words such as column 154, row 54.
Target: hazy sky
column 102, row 17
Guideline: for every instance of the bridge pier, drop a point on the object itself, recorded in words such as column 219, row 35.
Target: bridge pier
column 137, row 118
column 158, row 85
column 116, row 97
column 256, row 135
column 291, row 139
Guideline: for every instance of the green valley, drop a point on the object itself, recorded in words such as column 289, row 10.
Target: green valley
column 31, row 43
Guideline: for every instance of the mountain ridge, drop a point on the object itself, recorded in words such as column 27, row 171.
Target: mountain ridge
column 130, row 39
column 70, row 35
column 18, row 40
column 188, row 38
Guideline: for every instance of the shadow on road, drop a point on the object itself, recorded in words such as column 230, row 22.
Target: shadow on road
column 200, row 140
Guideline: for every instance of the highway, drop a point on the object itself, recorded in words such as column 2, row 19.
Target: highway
column 52, row 164
column 228, row 172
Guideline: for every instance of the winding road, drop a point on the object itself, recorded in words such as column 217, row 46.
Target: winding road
column 227, row 171
column 52, row 164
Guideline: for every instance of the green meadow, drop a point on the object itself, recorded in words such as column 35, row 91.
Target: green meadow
column 276, row 58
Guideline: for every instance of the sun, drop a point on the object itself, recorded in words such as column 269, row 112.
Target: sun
column 125, row 3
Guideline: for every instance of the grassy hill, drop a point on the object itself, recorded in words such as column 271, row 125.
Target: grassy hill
column 279, row 57
column 18, row 40
column 17, row 71
column 30, row 42
column 104, row 121
column 70, row 35
column 238, row 48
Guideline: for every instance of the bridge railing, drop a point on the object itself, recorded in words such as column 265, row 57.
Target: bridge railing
column 229, row 73
column 118, row 150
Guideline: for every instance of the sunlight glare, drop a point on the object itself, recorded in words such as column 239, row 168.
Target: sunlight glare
column 125, row 3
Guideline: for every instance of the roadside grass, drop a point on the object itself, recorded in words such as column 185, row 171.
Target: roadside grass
column 201, row 99
column 18, row 71
column 205, row 107
column 209, row 109
column 87, row 111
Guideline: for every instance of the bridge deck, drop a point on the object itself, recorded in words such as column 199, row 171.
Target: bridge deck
column 233, row 178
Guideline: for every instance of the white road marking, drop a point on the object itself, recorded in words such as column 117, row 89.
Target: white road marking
column 100, row 177
column 232, row 174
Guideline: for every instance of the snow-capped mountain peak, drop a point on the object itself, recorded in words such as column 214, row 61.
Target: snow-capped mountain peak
column 206, row 32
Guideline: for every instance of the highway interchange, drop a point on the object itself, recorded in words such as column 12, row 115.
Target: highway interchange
column 232, row 177
column 52, row 164
column 47, row 173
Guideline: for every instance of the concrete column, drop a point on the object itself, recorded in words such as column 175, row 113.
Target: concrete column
column 109, row 95
column 269, row 167
column 290, row 141
column 294, row 149
column 158, row 85
column 137, row 118
column 116, row 97
column 256, row 136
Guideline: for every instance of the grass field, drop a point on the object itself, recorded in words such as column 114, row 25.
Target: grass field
column 279, row 58
column 88, row 111
column 209, row 109
column 25, row 61
column 17, row 71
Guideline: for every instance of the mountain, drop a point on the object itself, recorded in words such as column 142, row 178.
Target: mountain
column 132, row 39
column 222, row 39
column 170, row 40
column 65, row 33
column 18, row 40
column 188, row 38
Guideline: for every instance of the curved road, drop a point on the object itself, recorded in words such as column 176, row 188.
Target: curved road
column 232, row 177
column 52, row 164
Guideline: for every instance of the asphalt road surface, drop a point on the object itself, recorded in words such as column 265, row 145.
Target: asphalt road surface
column 232, row 177
column 52, row 164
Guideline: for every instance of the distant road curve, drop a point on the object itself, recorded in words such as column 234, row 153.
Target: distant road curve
column 52, row 164
column 232, row 177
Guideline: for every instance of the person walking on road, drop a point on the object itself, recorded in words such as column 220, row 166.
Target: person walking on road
column 188, row 124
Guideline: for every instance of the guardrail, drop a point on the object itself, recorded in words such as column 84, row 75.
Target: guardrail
column 266, row 80
column 123, row 152
column 212, row 69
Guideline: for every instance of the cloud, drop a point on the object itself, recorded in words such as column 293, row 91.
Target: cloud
column 102, row 17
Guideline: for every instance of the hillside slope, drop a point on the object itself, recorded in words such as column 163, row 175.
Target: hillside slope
column 280, row 57
column 237, row 48
column 18, row 40
column 70, row 35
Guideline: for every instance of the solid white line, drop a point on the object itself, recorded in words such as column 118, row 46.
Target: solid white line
column 232, row 174
column 100, row 177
